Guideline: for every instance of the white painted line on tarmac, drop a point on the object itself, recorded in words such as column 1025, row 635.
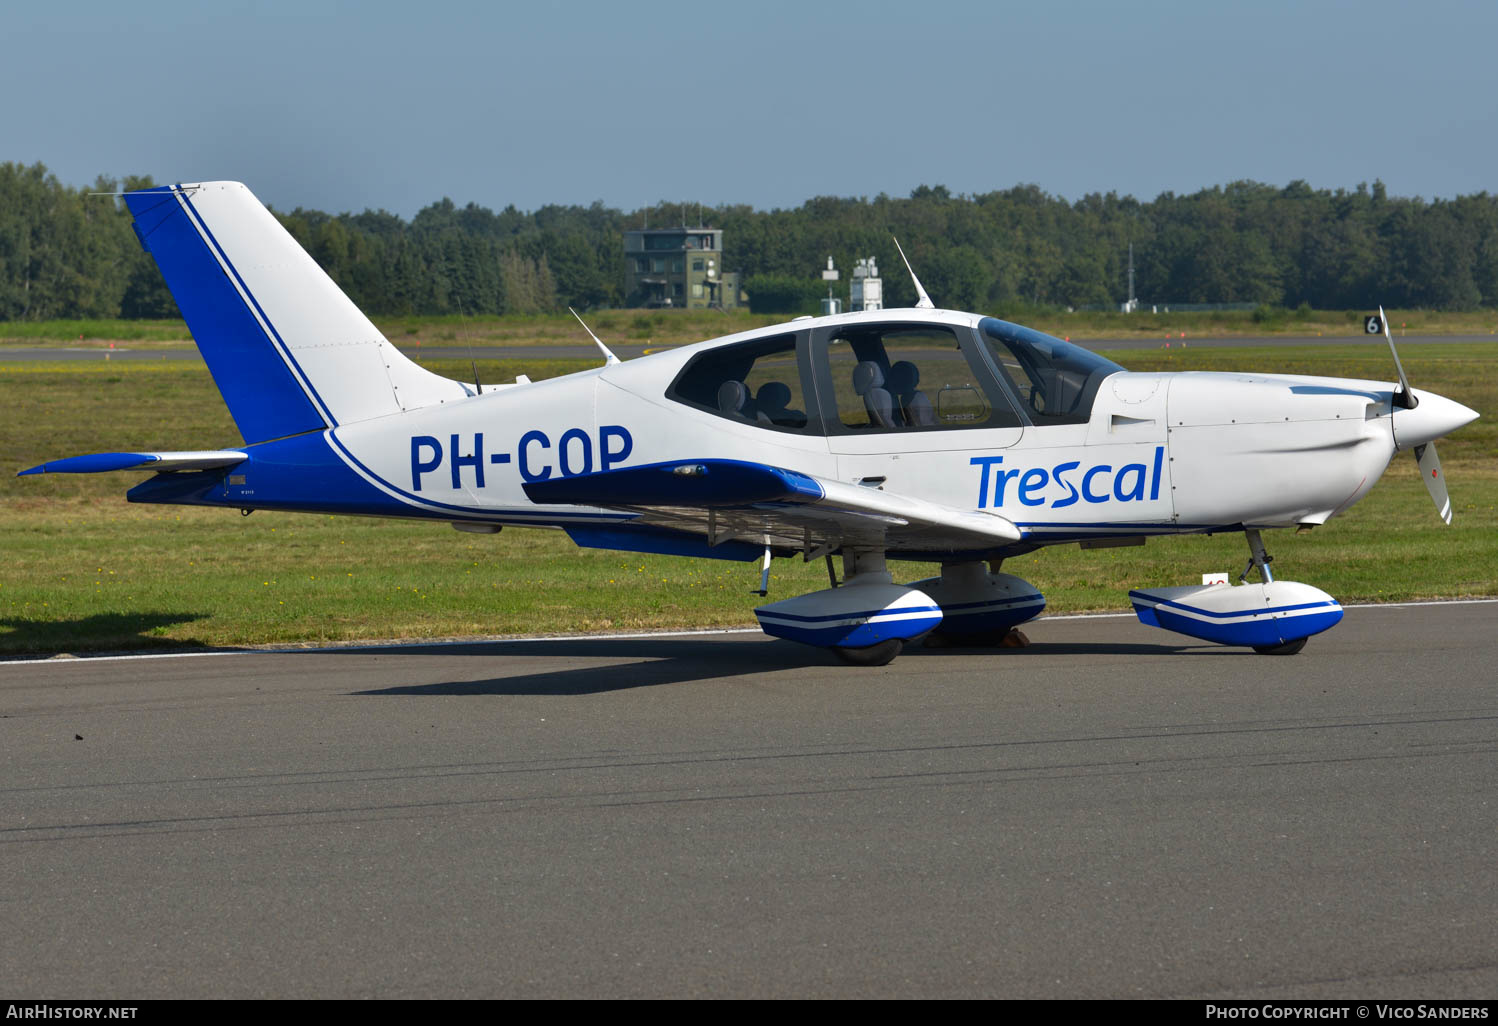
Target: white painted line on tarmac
column 69, row 659
column 375, row 646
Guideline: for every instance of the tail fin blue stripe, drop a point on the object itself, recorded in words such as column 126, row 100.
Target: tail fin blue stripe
column 265, row 322
column 262, row 394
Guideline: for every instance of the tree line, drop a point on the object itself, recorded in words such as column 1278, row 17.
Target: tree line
column 70, row 253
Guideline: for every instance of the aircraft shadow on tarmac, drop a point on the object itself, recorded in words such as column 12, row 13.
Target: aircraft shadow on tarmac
column 124, row 630
column 687, row 661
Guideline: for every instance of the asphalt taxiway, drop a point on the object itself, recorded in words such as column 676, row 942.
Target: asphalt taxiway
column 1114, row 811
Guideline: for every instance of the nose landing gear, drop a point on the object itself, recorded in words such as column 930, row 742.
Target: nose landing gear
column 1271, row 617
column 1260, row 560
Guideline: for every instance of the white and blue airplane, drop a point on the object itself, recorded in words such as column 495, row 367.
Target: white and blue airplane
column 913, row 434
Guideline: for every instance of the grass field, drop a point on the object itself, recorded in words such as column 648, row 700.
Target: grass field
column 82, row 570
column 676, row 327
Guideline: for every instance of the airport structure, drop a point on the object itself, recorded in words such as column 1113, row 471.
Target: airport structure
column 1132, row 303
column 866, row 290
column 831, row 306
column 679, row 267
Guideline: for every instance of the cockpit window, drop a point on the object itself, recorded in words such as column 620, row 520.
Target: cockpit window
column 753, row 383
column 904, row 377
column 1055, row 380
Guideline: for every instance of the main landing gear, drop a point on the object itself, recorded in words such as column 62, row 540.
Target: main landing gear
column 873, row 655
column 1271, row 617
column 868, row 619
column 980, row 606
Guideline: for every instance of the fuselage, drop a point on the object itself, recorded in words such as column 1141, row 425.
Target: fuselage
column 1130, row 453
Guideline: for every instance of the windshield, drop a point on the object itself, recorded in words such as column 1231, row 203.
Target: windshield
column 1055, row 380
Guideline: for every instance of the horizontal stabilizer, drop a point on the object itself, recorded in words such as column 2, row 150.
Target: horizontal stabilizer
column 101, row 462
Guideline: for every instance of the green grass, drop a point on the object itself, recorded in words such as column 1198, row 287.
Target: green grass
column 677, row 327
column 93, row 331
column 1262, row 322
column 50, row 410
column 81, row 569
column 82, row 576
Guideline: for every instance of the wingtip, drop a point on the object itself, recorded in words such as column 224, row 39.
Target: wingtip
column 95, row 463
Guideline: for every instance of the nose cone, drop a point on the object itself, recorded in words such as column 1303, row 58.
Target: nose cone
column 1434, row 416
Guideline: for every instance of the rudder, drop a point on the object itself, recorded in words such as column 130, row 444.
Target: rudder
column 287, row 349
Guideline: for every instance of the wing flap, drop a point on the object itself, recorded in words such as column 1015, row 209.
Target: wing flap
column 743, row 501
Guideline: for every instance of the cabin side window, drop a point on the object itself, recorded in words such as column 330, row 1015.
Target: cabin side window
column 755, row 383
column 909, row 377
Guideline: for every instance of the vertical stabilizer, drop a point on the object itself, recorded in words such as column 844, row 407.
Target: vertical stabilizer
column 288, row 350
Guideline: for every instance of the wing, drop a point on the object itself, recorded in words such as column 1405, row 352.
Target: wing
column 739, row 502
column 100, row 462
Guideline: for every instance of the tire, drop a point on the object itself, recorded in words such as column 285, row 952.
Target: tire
column 874, row 655
column 986, row 639
column 1284, row 648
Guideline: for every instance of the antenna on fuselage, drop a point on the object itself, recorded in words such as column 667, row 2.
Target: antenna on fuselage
column 923, row 301
column 478, row 386
column 609, row 359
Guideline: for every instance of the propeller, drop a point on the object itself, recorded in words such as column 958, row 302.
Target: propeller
column 1435, row 482
column 1425, row 453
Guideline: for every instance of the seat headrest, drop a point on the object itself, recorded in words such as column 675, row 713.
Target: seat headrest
column 867, row 375
column 731, row 396
column 773, row 396
column 904, row 376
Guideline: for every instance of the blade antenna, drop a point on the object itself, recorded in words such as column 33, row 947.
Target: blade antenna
column 1405, row 399
column 468, row 341
column 609, row 359
column 923, row 301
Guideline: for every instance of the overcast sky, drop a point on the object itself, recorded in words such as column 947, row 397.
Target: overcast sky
column 343, row 106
